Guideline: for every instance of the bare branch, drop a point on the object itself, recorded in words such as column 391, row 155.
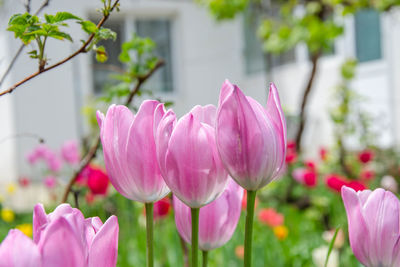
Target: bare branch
column 91, row 154
column 20, row 135
column 82, row 49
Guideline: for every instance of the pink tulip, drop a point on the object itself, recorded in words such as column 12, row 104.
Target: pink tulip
column 70, row 152
column 130, row 153
column 218, row 220
column 251, row 139
column 188, row 156
column 374, row 228
column 63, row 238
column 18, row 250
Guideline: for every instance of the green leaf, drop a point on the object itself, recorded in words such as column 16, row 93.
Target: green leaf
column 88, row 26
column 331, row 246
column 105, row 34
column 60, row 35
column 62, row 16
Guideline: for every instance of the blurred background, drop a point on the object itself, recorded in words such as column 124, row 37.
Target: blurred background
column 335, row 63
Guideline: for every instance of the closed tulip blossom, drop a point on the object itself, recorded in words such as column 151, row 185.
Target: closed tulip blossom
column 189, row 159
column 374, row 226
column 218, row 220
column 251, row 140
column 130, row 157
column 63, row 238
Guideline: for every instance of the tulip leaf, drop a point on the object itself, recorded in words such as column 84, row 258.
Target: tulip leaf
column 331, row 246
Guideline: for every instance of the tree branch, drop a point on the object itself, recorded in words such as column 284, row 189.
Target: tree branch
column 19, row 51
column 82, row 49
column 92, row 151
column 307, row 91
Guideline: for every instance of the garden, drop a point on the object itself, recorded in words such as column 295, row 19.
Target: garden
column 222, row 185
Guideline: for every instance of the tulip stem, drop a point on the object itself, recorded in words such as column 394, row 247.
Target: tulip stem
column 251, row 199
column 195, row 235
column 205, row 258
column 149, row 233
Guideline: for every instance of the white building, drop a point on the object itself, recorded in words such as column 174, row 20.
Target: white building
column 201, row 53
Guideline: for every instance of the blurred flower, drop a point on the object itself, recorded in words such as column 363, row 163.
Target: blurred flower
column 129, row 150
column 281, row 232
column 319, row 256
column 291, row 157
column 218, row 220
column 336, row 182
column 50, row 181
column 244, row 201
column 43, row 152
column 239, row 252
column 367, row 175
column 251, row 138
column 11, row 188
column 365, row 156
column 291, row 145
column 374, row 226
column 388, row 182
column 89, row 197
column 24, row 181
column 340, row 238
column 270, row 217
column 25, row 228
column 70, row 152
column 310, row 165
column 305, row 176
column 161, row 208
column 97, row 181
column 7, row 215
column 323, row 153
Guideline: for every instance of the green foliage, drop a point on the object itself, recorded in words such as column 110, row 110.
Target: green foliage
column 224, row 9
column 139, row 59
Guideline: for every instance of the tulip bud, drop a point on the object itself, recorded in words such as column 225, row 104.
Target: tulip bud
column 218, row 220
column 251, row 139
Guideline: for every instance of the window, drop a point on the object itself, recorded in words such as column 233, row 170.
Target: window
column 368, row 35
column 256, row 59
column 159, row 30
column 102, row 71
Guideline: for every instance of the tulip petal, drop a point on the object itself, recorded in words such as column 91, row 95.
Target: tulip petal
column 39, row 221
column 104, row 249
column 60, row 246
column 145, row 179
column 205, row 114
column 358, row 231
column 18, row 250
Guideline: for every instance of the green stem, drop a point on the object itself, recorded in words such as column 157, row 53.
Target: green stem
column 205, row 258
column 195, row 235
column 149, row 234
column 251, row 199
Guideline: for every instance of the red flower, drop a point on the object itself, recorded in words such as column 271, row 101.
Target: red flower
column 161, row 208
column 291, row 145
column 271, row 217
column 366, row 156
column 310, row 178
column 310, row 164
column 24, row 181
column 335, row 182
column 356, row 186
column 323, row 153
column 291, row 157
column 97, row 181
column 367, row 175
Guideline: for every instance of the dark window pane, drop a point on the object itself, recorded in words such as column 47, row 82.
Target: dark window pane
column 253, row 53
column 102, row 71
column 159, row 30
column 368, row 35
